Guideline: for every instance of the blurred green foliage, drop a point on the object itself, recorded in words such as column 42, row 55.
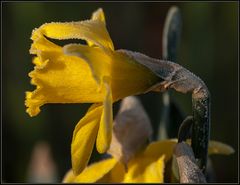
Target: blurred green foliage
column 208, row 48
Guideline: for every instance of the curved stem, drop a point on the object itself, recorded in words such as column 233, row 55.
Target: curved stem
column 201, row 126
column 171, row 34
column 172, row 75
column 184, row 131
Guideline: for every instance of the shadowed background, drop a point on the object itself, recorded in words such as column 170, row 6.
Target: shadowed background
column 208, row 48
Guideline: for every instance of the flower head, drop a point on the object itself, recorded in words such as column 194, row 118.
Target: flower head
column 76, row 73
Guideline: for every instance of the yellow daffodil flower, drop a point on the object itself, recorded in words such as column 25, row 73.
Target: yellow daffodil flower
column 146, row 167
column 132, row 161
column 76, row 73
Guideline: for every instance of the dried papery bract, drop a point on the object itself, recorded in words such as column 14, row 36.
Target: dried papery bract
column 189, row 171
column 131, row 130
column 174, row 76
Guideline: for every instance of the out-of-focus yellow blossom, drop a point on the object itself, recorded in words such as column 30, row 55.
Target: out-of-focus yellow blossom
column 132, row 160
column 76, row 73
column 146, row 167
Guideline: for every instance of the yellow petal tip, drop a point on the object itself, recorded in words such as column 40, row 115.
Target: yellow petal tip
column 102, row 148
column 32, row 105
column 216, row 147
column 99, row 15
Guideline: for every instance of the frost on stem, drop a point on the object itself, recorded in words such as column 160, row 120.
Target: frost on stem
column 188, row 169
column 174, row 76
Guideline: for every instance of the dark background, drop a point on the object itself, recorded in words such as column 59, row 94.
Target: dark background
column 208, row 48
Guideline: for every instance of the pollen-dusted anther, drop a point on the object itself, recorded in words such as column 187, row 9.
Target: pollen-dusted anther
column 131, row 130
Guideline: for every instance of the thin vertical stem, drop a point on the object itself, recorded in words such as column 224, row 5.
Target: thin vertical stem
column 171, row 34
column 170, row 41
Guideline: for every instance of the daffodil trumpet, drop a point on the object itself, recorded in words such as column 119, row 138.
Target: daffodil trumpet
column 97, row 73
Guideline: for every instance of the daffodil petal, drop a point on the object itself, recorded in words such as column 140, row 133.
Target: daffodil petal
column 126, row 69
column 216, row 147
column 117, row 173
column 33, row 105
column 39, row 63
column 84, row 136
column 96, row 171
column 99, row 15
column 105, row 128
column 118, row 66
column 158, row 148
column 90, row 30
column 41, row 44
column 92, row 173
column 69, row 177
column 166, row 147
column 98, row 60
column 145, row 170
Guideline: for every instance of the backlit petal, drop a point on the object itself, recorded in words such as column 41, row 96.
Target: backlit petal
column 105, row 128
column 129, row 77
column 159, row 148
column 97, row 15
column 84, row 136
column 69, row 177
column 96, row 171
column 118, row 66
column 41, row 44
column 166, row 147
column 90, row 30
column 98, row 60
column 145, row 170
column 116, row 174
column 216, row 147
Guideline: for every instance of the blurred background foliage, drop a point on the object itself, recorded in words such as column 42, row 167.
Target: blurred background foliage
column 208, row 48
